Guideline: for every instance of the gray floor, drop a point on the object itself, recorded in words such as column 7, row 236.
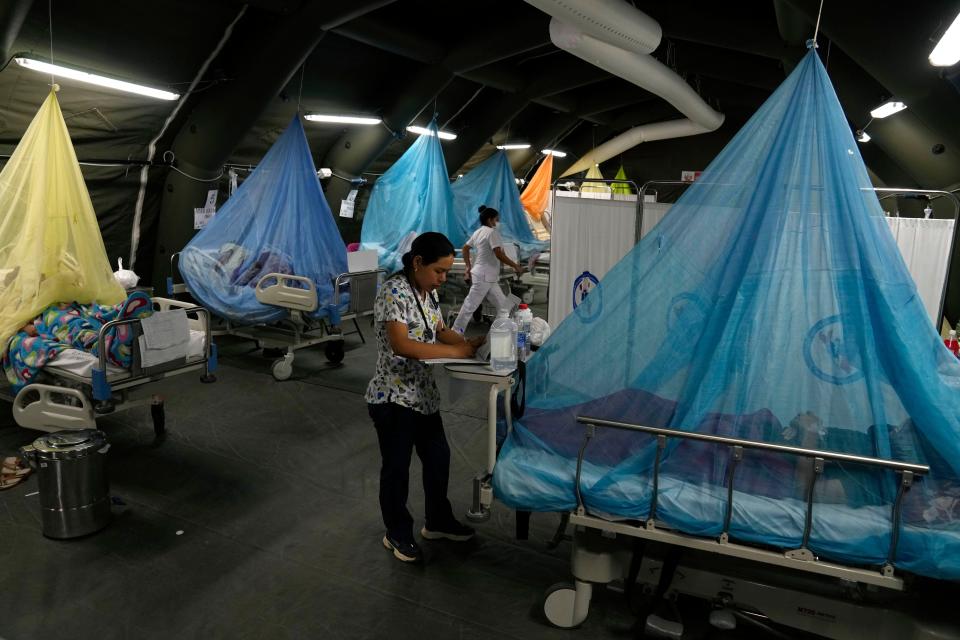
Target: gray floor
column 257, row 517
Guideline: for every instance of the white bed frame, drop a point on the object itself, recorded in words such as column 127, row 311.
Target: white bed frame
column 750, row 583
column 62, row 406
column 298, row 295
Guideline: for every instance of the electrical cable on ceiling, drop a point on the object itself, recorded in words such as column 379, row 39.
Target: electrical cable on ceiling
column 816, row 29
column 195, row 178
column 303, row 69
column 169, row 158
column 460, row 110
column 53, row 80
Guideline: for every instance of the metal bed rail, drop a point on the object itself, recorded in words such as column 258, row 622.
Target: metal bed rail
column 908, row 472
column 102, row 389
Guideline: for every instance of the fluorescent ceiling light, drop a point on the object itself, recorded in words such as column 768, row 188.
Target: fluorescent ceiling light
column 427, row 132
column 553, row 152
column 947, row 51
column 513, row 146
column 888, row 109
column 322, row 117
column 83, row 76
column 863, row 136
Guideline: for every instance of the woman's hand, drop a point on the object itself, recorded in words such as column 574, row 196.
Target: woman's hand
column 465, row 349
column 477, row 341
column 518, row 269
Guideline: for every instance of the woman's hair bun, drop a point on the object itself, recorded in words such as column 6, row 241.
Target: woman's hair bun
column 482, row 208
column 407, row 259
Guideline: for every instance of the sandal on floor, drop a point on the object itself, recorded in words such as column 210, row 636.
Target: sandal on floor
column 13, row 466
column 9, row 481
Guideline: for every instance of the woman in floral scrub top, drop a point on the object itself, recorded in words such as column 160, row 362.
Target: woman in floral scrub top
column 403, row 399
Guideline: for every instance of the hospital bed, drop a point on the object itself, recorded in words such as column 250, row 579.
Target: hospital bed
column 744, row 579
column 354, row 295
column 77, row 387
column 535, row 281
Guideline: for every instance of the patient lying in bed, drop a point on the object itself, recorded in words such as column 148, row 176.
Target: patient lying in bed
column 243, row 270
column 70, row 325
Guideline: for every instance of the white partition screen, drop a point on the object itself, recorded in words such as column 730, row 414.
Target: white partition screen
column 925, row 246
column 589, row 236
column 653, row 212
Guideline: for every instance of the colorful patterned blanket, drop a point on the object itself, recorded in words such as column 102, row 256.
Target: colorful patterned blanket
column 70, row 325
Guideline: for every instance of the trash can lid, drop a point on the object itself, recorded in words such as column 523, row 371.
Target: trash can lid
column 69, row 444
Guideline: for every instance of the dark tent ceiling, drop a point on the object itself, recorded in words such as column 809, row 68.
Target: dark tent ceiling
column 486, row 68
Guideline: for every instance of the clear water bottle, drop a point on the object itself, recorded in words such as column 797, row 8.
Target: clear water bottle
column 524, row 320
column 503, row 343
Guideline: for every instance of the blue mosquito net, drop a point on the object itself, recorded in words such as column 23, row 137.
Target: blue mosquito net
column 492, row 183
column 413, row 196
column 770, row 304
column 278, row 221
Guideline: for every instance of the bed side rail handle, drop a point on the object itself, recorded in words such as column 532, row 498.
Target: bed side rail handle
column 46, row 414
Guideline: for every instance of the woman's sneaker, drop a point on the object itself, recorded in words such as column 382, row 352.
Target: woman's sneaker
column 451, row 531
column 404, row 551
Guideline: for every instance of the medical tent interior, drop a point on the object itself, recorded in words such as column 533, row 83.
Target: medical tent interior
column 734, row 413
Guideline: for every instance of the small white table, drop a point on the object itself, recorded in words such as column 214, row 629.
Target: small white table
column 482, row 373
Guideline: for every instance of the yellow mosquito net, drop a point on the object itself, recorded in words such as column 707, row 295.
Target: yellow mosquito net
column 594, row 187
column 621, row 188
column 50, row 245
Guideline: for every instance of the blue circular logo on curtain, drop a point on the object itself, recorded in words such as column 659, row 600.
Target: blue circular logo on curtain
column 686, row 311
column 829, row 355
column 588, row 308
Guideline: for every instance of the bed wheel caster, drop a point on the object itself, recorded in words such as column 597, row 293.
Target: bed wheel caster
column 103, row 406
column 723, row 619
column 282, row 368
column 660, row 627
column 478, row 516
column 566, row 605
column 334, row 351
column 159, row 416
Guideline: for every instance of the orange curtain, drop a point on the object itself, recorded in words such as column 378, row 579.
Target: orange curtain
column 536, row 197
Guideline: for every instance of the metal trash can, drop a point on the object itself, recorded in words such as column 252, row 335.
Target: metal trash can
column 74, row 491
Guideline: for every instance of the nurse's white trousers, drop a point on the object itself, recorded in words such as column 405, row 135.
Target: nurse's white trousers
column 479, row 290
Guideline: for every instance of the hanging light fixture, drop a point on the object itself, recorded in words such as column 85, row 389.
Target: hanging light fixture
column 947, row 51
column 888, row 109
column 423, row 131
column 92, row 78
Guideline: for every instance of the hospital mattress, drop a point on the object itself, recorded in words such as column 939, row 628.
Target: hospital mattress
column 533, row 479
column 81, row 363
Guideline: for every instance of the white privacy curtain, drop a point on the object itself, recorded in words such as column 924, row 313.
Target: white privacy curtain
column 653, row 212
column 925, row 246
column 589, row 235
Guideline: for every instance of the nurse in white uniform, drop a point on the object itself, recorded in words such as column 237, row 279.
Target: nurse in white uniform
column 484, row 272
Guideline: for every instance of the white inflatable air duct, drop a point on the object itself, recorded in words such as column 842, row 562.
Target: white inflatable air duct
column 612, row 21
column 614, row 36
column 633, row 137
